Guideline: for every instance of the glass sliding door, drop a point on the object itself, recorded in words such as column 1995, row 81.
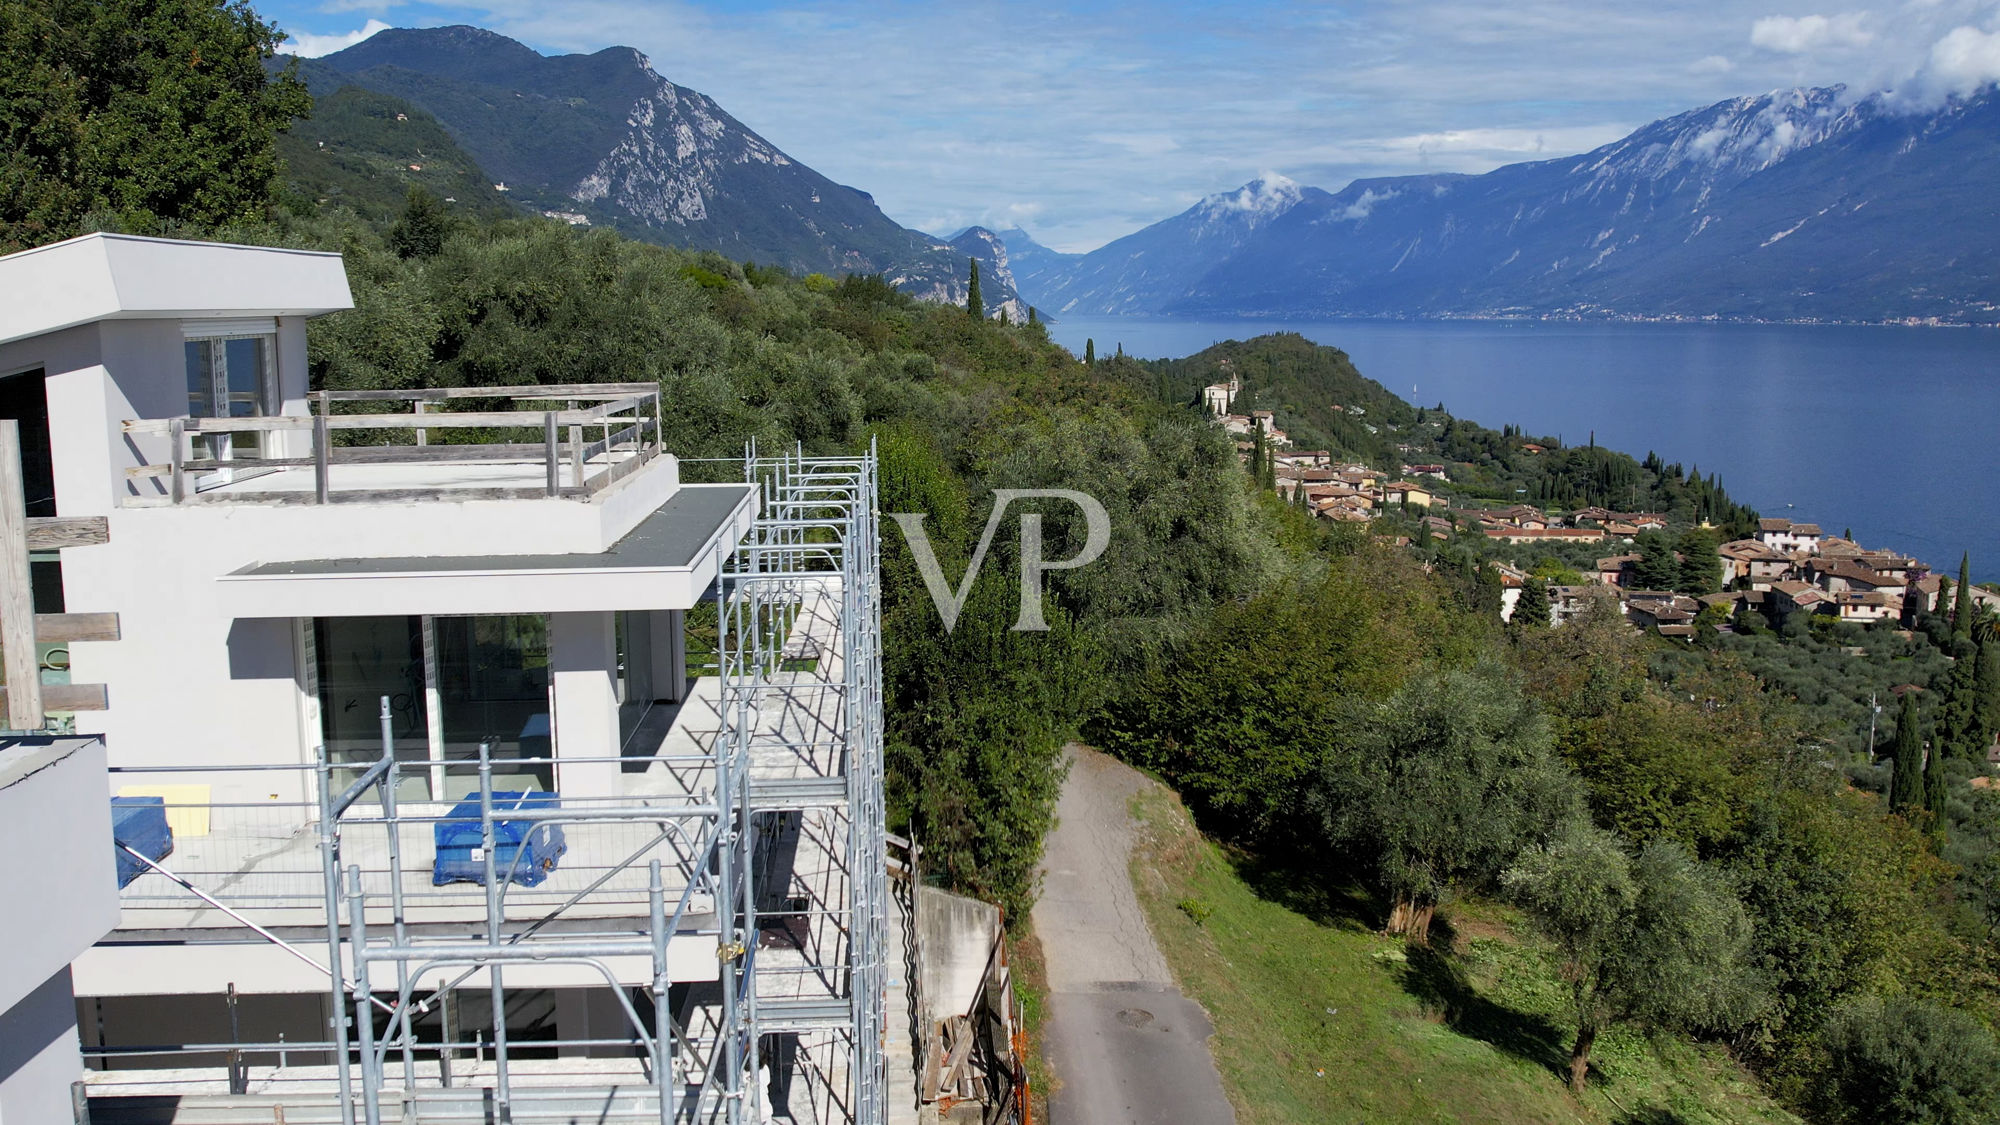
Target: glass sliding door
column 493, row 688
column 362, row 659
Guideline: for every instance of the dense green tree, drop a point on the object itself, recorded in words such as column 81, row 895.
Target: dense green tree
column 1906, row 787
column 1442, row 786
column 1959, row 731
column 1654, row 938
column 973, row 304
column 1937, row 791
column 1532, row 610
column 1700, row 570
column 1657, row 568
column 1912, row 1062
column 420, row 231
column 145, row 115
column 1961, row 611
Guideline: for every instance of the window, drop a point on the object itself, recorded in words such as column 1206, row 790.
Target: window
column 231, row 373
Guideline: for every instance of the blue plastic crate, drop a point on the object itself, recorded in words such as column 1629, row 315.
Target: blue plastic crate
column 524, row 851
column 140, row 823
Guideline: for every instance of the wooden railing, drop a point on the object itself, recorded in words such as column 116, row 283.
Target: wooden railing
column 596, row 445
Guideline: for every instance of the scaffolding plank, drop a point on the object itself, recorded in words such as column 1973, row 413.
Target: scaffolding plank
column 62, row 697
column 17, row 599
column 64, row 627
column 50, row 533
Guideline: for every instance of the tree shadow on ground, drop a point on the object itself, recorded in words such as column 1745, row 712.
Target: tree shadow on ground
column 1436, row 980
column 1651, row 1115
column 1325, row 891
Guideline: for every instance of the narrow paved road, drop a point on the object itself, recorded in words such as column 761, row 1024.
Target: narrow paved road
column 1125, row 1045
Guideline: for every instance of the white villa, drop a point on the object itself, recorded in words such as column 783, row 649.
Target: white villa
column 281, row 560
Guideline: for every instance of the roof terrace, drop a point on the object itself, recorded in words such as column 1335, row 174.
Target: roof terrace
column 562, row 441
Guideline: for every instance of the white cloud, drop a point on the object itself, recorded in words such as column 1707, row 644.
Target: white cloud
column 1798, row 35
column 1962, row 62
column 1711, row 64
column 309, row 46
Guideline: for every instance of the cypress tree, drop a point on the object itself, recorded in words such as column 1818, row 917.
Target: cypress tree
column 1906, row 783
column 1961, row 612
column 1942, row 607
column 1090, row 352
column 973, row 304
column 1033, row 317
column 1986, row 694
column 1532, row 610
column 1003, row 316
column 1935, row 791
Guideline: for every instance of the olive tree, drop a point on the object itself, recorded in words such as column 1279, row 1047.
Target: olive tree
column 1442, row 785
column 1652, row 938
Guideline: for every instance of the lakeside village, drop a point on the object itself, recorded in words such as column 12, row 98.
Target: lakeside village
column 1786, row 568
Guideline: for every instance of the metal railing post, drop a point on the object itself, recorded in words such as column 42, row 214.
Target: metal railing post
column 364, row 1020
column 329, row 847
column 495, row 914
column 663, row 1045
column 389, row 781
column 322, row 457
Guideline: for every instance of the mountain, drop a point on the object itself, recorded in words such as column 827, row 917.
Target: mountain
column 995, row 274
column 605, row 137
column 1157, row 268
column 1033, row 263
column 1802, row 204
column 365, row 150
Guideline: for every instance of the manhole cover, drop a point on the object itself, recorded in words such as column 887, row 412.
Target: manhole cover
column 1135, row 1017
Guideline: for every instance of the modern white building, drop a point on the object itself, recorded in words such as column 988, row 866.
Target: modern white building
column 463, row 574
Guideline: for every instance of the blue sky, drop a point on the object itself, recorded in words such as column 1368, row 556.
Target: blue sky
column 1085, row 122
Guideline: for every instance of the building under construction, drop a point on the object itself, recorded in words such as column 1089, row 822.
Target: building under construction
column 474, row 757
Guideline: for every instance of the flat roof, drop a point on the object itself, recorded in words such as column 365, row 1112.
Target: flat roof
column 23, row 756
column 123, row 277
column 670, row 538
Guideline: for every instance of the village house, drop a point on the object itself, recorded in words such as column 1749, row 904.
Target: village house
column 1522, row 515
column 1749, row 562
column 1784, row 535
column 1512, row 582
column 1617, row 570
column 1546, row 535
column 1867, row 606
column 1792, row 596
column 1662, row 610
column 1435, row 472
column 1839, row 576
column 1567, row 603
column 1409, row 492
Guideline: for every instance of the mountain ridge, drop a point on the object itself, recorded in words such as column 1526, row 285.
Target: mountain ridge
column 606, row 137
column 1804, row 204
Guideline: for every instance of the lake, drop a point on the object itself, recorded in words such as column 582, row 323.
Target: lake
column 1894, row 432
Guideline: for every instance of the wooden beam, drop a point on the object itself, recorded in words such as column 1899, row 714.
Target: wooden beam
column 49, row 533
column 53, row 628
column 17, row 596
column 66, row 697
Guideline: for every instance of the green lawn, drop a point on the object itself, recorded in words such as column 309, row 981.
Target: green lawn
column 1318, row 1018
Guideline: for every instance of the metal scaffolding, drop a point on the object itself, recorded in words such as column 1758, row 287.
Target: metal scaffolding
column 770, row 853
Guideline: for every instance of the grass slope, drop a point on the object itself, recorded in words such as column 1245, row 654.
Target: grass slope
column 1318, row 1018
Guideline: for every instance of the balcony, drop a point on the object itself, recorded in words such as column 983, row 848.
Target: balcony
column 554, row 442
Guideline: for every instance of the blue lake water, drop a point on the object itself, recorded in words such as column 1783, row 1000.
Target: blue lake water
column 1894, row 432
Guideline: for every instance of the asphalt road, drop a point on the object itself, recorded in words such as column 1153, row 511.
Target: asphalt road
column 1124, row 1044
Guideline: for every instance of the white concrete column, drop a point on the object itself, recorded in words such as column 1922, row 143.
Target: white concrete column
column 583, row 665
column 669, row 629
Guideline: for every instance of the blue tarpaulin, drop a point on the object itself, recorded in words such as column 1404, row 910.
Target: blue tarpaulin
column 524, row 851
column 140, row 823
